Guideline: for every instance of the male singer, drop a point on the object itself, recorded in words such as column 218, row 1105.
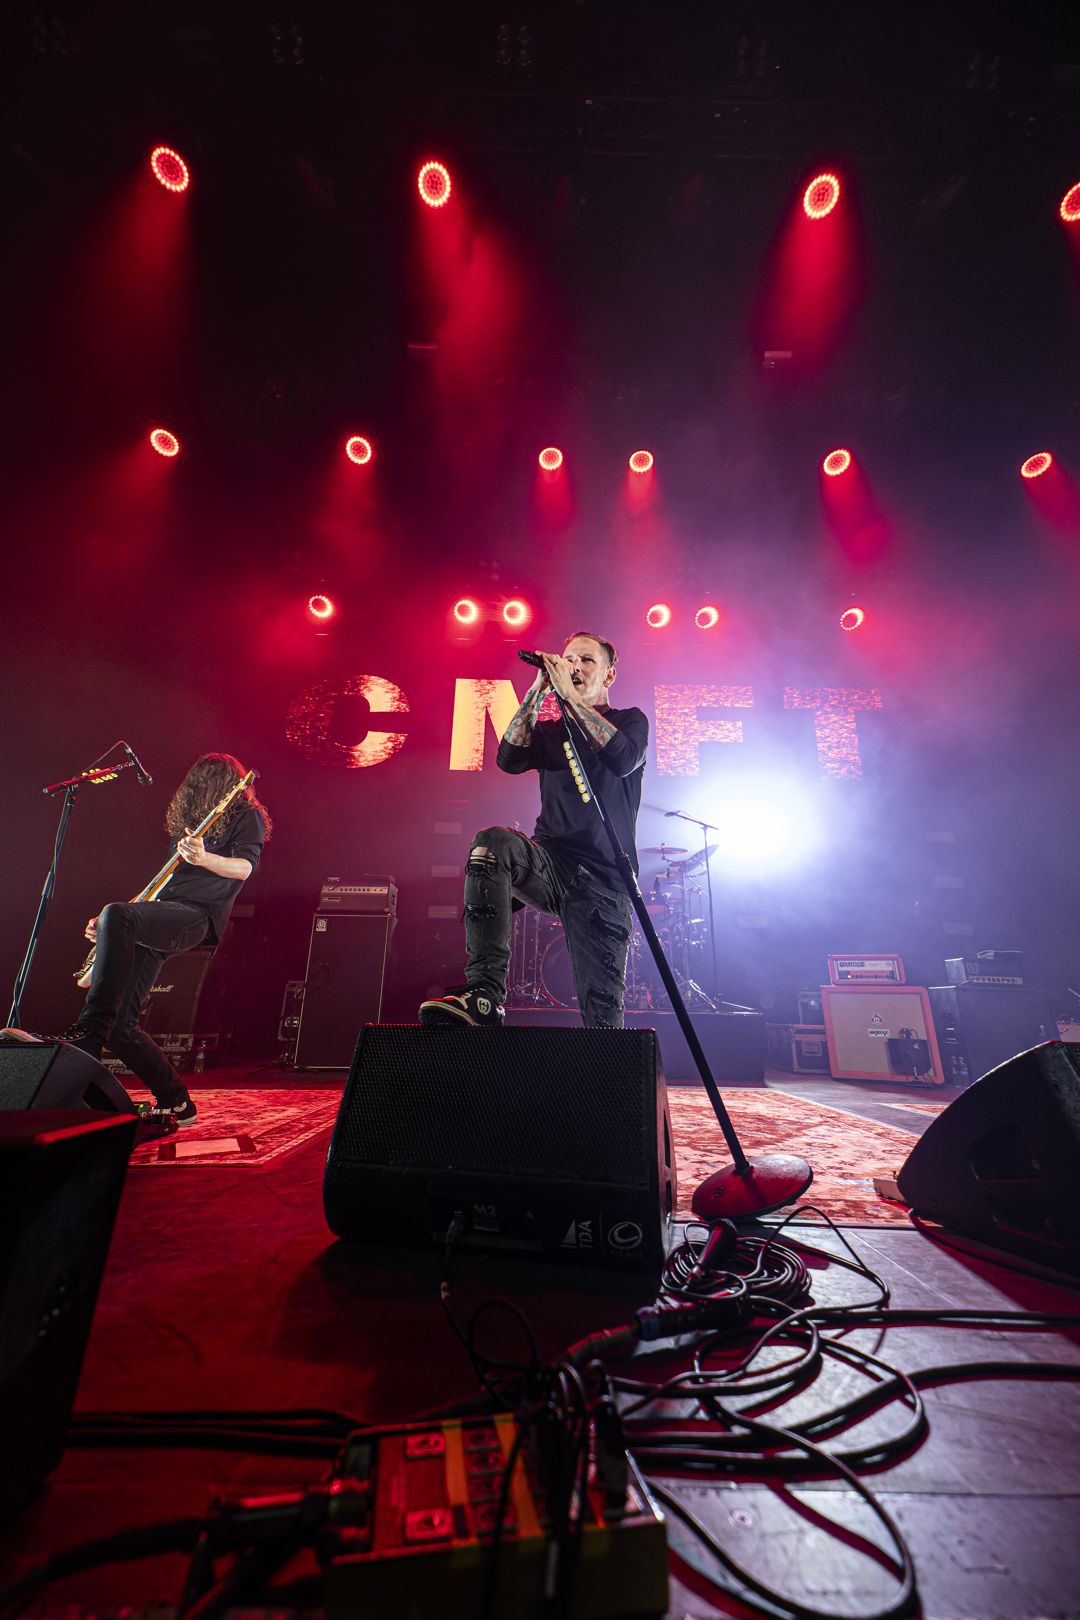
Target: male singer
column 566, row 868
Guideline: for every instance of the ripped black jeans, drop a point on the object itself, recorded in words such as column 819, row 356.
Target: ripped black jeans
column 595, row 918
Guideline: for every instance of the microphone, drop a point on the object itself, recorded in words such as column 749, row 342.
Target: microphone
column 145, row 779
column 668, row 813
column 534, row 658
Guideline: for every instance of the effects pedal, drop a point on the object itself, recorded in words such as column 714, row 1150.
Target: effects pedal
column 426, row 1546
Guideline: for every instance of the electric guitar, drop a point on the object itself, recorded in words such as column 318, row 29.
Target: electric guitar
column 160, row 879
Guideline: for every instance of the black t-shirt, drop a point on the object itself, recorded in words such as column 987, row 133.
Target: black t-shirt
column 567, row 826
column 242, row 839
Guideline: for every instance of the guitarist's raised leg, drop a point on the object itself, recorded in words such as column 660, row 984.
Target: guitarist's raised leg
column 133, row 942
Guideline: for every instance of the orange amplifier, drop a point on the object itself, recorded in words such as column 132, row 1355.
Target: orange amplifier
column 881, row 1032
column 866, row 970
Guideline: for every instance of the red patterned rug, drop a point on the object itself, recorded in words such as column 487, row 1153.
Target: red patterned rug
column 243, row 1127
column 253, row 1127
column 844, row 1151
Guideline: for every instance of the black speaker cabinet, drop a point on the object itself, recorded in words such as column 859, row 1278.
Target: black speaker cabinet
column 61, row 1175
column 172, row 1006
column 51, row 1074
column 1002, row 1163
column 980, row 1026
column 551, row 1143
column 343, row 986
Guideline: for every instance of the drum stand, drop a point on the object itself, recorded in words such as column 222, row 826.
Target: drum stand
column 526, row 987
column 747, row 1186
column 680, row 943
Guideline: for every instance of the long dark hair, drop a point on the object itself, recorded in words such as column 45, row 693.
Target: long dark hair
column 208, row 780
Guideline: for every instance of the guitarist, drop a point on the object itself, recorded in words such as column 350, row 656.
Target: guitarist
column 133, row 940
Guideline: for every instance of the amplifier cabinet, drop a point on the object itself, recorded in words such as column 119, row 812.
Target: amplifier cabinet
column 982, row 1026
column 343, row 986
column 172, row 1006
column 867, row 1025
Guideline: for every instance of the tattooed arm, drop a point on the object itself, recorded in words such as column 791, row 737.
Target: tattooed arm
column 520, row 741
column 521, row 728
column 597, row 728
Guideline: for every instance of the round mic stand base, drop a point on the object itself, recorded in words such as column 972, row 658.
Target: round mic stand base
column 769, row 1182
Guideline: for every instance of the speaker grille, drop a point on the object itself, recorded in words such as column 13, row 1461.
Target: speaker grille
column 22, row 1069
column 467, row 1100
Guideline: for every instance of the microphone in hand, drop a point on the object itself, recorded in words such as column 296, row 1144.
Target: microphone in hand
column 534, row 658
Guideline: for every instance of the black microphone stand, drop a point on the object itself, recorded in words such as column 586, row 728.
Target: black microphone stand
column 706, row 827
column 69, row 789
column 748, row 1186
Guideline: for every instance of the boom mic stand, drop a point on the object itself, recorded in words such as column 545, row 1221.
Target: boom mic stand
column 69, row 789
column 747, row 1186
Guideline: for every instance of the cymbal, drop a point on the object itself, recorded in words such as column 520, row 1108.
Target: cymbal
column 663, row 849
column 700, row 860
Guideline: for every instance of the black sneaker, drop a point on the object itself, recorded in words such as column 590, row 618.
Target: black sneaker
column 464, row 1004
column 180, row 1105
column 153, row 1121
column 85, row 1039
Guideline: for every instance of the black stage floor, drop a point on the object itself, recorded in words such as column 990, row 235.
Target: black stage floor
column 224, row 1289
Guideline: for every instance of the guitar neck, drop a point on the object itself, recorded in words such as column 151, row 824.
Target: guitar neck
column 160, row 879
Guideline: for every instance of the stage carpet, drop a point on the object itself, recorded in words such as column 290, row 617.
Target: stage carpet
column 251, row 1128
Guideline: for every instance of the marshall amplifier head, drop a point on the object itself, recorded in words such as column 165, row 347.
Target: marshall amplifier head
column 965, row 970
column 357, row 895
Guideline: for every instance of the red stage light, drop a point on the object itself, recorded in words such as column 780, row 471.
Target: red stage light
column 707, row 618
column 320, row 606
column 821, row 196
column 433, row 184
column 358, row 450
column 641, row 461
column 550, row 459
column 169, row 169
column 1036, row 465
column 851, row 618
column 516, row 614
column 164, row 442
column 836, row 462
column 1070, row 205
column 466, row 611
column 658, row 616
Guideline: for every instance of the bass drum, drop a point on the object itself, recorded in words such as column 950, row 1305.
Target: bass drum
column 556, row 974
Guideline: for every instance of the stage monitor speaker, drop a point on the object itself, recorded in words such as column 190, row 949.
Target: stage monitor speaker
column 550, row 1143
column 52, row 1074
column 61, row 1175
column 1002, row 1163
column 343, row 986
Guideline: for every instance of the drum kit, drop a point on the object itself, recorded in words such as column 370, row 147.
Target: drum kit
column 675, row 897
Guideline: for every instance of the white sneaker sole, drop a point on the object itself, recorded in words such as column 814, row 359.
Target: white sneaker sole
column 438, row 1012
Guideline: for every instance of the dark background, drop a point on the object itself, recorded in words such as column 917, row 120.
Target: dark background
column 603, row 280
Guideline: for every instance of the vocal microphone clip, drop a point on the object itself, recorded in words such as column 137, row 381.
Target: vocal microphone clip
column 143, row 775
